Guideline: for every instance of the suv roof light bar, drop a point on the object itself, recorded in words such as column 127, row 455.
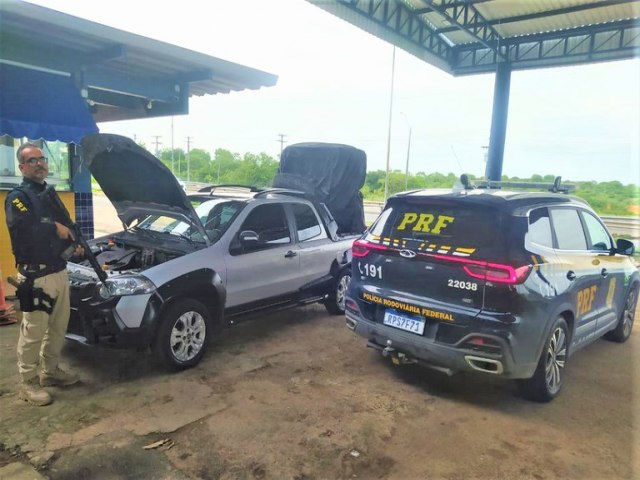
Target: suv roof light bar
column 555, row 187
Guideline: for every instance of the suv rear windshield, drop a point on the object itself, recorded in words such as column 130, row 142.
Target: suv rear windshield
column 443, row 227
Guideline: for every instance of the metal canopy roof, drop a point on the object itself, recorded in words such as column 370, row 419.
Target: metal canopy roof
column 465, row 37
column 122, row 75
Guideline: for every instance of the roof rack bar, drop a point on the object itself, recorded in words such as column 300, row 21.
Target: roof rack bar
column 211, row 188
column 286, row 191
column 554, row 187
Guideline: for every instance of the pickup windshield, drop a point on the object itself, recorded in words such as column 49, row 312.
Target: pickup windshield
column 215, row 215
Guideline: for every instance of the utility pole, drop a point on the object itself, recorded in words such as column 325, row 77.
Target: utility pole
column 282, row 142
column 219, row 163
column 406, row 170
column 386, row 178
column 157, row 143
column 172, row 168
column 189, row 158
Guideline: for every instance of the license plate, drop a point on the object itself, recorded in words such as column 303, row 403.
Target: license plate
column 410, row 323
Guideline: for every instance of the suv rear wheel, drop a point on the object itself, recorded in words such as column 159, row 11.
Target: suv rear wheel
column 546, row 382
column 622, row 332
column 335, row 302
column 184, row 334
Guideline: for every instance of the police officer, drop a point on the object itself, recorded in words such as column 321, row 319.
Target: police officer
column 38, row 240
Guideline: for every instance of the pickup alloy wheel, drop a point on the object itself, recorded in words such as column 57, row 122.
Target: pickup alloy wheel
column 182, row 338
column 335, row 302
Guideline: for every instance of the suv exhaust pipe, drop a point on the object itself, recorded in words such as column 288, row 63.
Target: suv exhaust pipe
column 486, row 365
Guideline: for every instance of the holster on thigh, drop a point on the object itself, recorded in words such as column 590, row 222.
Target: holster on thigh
column 32, row 298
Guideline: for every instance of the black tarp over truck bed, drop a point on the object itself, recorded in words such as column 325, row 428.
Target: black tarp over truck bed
column 330, row 172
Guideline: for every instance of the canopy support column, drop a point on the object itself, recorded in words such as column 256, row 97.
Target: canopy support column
column 493, row 170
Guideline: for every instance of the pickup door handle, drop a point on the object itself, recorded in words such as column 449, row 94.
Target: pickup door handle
column 571, row 275
column 290, row 254
column 604, row 272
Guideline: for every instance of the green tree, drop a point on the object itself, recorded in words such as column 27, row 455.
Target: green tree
column 178, row 162
column 606, row 198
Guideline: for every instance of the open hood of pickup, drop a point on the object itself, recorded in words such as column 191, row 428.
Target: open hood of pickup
column 136, row 182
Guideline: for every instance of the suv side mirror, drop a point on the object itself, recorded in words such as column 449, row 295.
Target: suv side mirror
column 625, row 247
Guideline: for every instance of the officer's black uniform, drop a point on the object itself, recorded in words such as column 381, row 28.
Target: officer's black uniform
column 31, row 216
column 32, row 229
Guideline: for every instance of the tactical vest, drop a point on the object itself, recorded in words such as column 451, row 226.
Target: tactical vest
column 29, row 250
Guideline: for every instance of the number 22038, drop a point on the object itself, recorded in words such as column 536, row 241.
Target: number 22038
column 463, row 285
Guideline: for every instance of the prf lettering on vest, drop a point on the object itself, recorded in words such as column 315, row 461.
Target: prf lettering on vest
column 19, row 205
column 586, row 297
column 425, row 222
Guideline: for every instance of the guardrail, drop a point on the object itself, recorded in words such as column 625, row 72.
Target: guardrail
column 623, row 225
column 618, row 225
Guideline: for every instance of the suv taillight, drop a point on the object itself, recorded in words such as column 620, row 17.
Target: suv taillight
column 496, row 272
column 491, row 272
column 361, row 248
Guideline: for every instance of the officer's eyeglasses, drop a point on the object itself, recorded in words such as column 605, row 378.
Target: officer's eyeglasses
column 34, row 160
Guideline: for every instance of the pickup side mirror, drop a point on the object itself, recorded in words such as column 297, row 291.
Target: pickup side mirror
column 625, row 247
column 246, row 240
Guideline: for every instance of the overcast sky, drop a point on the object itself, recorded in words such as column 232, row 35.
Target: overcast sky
column 334, row 86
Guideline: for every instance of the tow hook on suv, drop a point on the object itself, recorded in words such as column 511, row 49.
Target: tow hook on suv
column 397, row 358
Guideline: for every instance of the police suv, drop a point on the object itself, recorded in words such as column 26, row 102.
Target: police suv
column 485, row 280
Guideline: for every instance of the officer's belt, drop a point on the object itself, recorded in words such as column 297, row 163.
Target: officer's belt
column 37, row 270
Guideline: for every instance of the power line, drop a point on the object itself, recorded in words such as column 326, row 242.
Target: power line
column 457, row 160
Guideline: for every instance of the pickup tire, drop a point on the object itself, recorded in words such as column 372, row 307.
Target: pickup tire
column 184, row 334
column 335, row 302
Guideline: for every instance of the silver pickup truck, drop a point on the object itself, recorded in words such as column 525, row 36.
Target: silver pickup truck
column 185, row 266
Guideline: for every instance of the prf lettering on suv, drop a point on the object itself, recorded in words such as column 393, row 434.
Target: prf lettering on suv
column 480, row 279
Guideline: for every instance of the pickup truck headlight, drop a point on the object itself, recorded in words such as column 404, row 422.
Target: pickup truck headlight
column 126, row 285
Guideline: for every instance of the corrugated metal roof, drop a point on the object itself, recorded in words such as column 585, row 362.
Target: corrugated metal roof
column 472, row 36
column 114, row 64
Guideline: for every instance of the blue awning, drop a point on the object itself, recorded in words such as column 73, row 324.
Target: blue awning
column 36, row 105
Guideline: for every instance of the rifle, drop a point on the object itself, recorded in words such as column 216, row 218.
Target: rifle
column 51, row 195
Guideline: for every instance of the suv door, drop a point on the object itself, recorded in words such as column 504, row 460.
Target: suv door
column 611, row 268
column 270, row 267
column 580, row 277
